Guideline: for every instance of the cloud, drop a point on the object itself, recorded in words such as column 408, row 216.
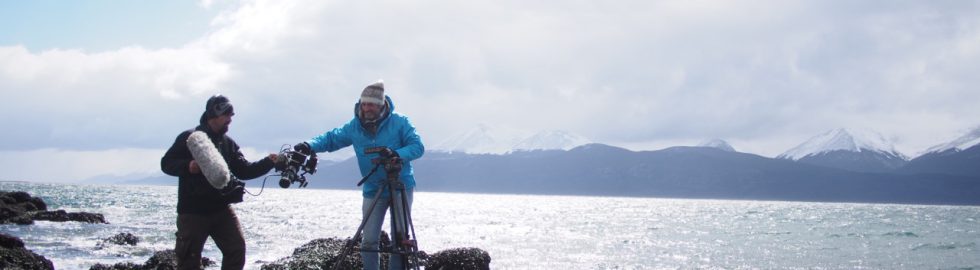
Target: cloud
column 645, row 74
column 53, row 165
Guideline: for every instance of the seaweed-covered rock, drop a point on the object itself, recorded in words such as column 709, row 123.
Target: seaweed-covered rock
column 120, row 239
column 161, row 260
column 18, row 207
column 459, row 259
column 62, row 216
column 118, row 266
column 12, row 215
column 324, row 254
column 15, row 207
column 13, row 255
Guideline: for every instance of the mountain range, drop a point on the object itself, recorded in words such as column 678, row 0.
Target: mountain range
column 840, row 165
column 486, row 139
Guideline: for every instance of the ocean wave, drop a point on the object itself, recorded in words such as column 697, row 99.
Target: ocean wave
column 900, row 234
column 944, row 246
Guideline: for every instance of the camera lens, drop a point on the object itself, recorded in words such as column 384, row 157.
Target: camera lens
column 284, row 183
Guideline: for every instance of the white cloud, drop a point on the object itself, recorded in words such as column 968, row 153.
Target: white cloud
column 762, row 75
column 53, row 165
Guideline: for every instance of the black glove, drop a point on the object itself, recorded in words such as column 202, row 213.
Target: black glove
column 303, row 148
column 389, row 153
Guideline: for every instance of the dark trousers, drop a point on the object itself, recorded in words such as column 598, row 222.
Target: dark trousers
column 223, row 227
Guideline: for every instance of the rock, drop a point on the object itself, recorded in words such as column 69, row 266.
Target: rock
column 13, row 255
column 458, row 259
column 62, row 216
column 14, row 207
column 39, row 204
column 160, row 260
column 118, row 266
column 18, row 207
column 10, row 215
column 120, row 239
column 322, row 254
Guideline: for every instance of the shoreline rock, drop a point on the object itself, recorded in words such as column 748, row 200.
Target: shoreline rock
column 322, row 254
column 21, row 208
column 13, row 255
column 121, row 239
column 166, row 259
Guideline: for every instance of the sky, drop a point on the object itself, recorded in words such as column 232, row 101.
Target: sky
column 94, row 89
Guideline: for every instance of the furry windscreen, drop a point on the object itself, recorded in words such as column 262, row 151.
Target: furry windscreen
column 212, row 164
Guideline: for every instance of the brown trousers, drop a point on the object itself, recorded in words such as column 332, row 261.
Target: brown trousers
column 223, row 227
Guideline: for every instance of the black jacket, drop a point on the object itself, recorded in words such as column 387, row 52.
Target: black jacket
column 194, row 194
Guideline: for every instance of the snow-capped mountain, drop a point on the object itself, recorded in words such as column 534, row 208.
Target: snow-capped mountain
column 968, row 140
column 843, row 139
column 717, row 143
column 487, row 139
column 957, row 157
column 551, row 139
column 856, row 150
column 482, row 139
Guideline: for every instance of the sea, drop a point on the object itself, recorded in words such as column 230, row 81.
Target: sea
column 533, row 231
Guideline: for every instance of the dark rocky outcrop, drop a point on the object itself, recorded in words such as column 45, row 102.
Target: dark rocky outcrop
column 458, row 259
column 166, row 259
column 323, row 253
column 15, row 207
column 18, row 207
column 120, row 239
column 62, row 216
column 13, row 255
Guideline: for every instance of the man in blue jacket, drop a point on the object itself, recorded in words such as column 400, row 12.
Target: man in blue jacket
column 375, row 124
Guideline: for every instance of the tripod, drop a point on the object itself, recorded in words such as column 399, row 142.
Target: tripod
column 403, row 242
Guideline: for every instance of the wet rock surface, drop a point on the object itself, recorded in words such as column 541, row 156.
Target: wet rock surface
column 160, row 260
column 122, row 239
column 18, row 207
column 459, row 258
column 62, row 216
column 13, row 255
column 323, row 254
column 15, row 207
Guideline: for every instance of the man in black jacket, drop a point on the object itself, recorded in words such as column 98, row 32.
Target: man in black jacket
column 203, row 210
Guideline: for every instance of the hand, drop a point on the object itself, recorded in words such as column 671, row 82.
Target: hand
column 274, row 157
column 194, row 168
column 387, row 152
column 303, row 148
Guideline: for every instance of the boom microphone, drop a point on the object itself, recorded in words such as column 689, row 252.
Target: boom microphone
column 212, row 164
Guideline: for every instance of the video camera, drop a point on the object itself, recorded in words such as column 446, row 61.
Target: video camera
column 291, row 162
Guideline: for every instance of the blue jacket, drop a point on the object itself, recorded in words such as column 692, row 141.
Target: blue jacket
column 394, row 132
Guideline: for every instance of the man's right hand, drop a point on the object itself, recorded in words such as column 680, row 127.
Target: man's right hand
column 194, row 168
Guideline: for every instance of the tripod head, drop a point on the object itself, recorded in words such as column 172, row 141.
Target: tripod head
column 387, row 157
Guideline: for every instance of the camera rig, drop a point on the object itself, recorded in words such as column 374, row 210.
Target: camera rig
column 293, row 166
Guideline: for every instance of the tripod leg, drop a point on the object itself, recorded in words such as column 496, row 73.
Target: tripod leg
column 400, row 209
column 366, row 207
